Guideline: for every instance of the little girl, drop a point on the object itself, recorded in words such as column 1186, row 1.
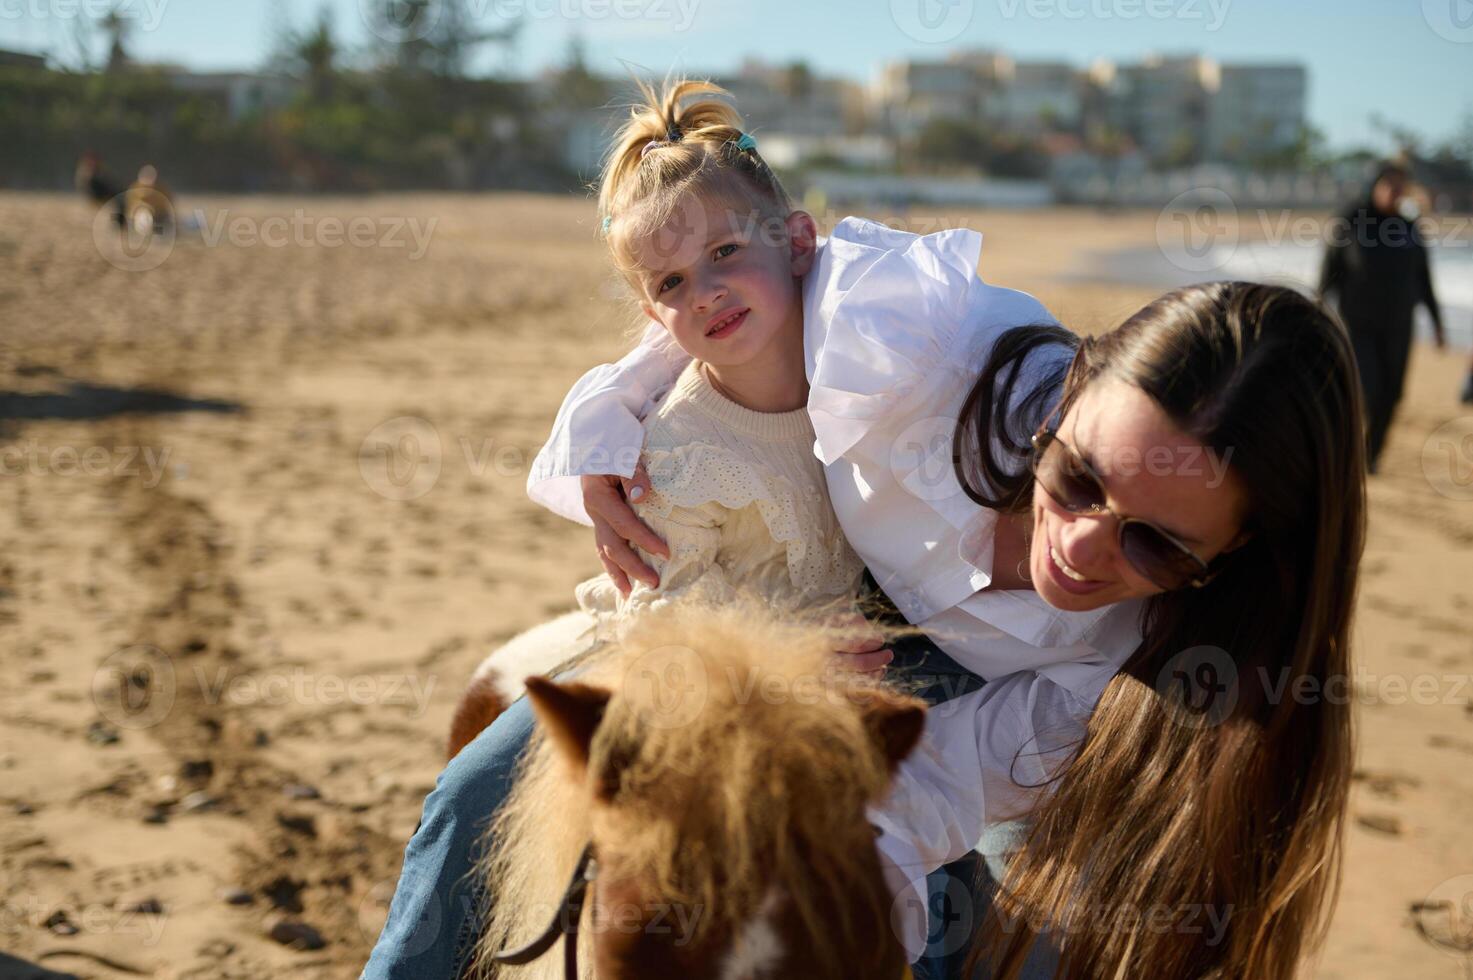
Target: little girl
column 708, row 242
column 700, row 229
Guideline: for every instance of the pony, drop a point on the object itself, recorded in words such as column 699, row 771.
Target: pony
column 718, row 768
column 539, row 650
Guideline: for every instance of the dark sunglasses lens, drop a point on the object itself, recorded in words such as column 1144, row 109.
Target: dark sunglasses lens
column 1158, row 558
column 1065, row 480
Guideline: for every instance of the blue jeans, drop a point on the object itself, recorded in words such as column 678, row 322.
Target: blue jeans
column 435, row 916
column 437, row 909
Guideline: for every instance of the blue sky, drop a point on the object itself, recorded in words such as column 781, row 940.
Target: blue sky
column 1410, row 60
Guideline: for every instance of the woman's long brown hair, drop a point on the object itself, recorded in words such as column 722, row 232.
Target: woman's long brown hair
column 1207, row 842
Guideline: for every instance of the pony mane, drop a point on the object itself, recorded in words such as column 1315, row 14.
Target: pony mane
column 731, row 760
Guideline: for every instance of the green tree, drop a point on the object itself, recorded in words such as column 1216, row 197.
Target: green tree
column 312, row 54
column 949, row 143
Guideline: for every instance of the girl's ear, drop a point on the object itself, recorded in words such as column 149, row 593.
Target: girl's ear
column 802, row 242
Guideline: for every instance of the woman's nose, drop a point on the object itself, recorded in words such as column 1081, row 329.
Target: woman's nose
column 1087, row 542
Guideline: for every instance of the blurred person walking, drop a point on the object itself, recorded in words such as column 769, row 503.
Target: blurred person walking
column 149, row 204
column 1376, row 266
column 94, row 182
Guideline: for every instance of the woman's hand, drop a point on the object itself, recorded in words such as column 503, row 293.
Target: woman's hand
column 863, row 650
column 616, row 527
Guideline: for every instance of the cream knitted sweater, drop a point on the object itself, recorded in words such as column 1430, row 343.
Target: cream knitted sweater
column 740, row 499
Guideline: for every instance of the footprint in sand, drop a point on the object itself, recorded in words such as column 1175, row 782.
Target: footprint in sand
column 1387, row 785
column 1448, row 742
column 1445, row 918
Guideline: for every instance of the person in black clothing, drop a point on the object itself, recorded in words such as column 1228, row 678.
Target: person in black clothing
column 93, row 182
column 1376, row 265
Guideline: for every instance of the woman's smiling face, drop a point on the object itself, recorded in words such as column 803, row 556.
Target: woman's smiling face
column 723, row 283
column 1150, row 470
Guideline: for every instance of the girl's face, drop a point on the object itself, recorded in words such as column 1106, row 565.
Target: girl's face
column 1149, row 470
column 726, row 283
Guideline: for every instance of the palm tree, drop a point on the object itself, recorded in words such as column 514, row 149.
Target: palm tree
column 434, row 35
column 117, row 27
column 315, row 53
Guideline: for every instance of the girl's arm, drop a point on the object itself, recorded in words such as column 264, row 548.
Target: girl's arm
column 984, row 759
column 598, row 429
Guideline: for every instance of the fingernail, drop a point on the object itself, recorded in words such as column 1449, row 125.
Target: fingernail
column 636, row 492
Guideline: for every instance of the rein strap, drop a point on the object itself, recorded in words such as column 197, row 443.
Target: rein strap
column 564, row 923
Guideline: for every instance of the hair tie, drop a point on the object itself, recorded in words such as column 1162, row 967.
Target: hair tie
column 745, row 142
column 608, row 220
column 672, row 136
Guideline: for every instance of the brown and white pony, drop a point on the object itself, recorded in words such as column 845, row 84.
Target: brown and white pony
column 721, row 770
column 497, row 680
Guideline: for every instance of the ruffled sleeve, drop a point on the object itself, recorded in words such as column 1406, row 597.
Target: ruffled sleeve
column 890, row 307
column 598, row 428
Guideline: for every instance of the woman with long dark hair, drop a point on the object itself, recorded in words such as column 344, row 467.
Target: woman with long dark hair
column 1232, row 800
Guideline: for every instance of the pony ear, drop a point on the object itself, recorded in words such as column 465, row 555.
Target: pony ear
column 895, row 723
column 570, row 712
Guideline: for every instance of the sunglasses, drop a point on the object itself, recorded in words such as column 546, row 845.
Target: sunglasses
column 1156, row 554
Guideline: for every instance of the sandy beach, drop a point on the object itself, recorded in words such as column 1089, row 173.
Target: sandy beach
column 262, row 513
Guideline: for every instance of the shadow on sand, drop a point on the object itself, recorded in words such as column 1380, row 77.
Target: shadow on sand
column 79, row 400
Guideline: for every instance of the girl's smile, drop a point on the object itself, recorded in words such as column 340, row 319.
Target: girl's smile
column 725, row 324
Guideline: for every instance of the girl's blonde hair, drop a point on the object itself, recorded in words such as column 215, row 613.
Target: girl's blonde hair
column 684, row 142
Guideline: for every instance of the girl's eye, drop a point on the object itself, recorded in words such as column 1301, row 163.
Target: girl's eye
column 670, row 283
column 724, row 250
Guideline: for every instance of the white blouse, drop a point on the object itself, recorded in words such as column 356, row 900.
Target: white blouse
column 896, row 329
